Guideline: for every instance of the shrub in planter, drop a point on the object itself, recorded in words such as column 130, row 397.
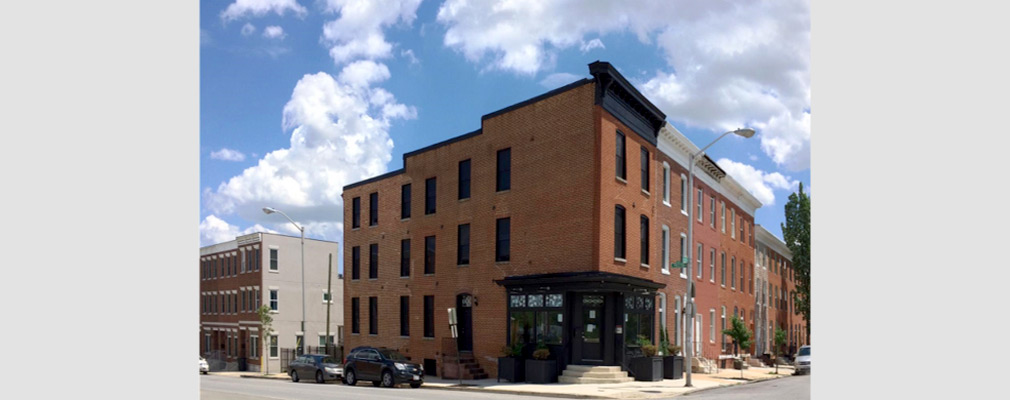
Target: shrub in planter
column 649, row 367
column 673, row 364
column 511, row 366
column 541, row 369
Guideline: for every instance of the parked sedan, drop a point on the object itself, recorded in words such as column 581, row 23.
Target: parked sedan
column 320, row 366
column 204, row 368
column 382, row 366
column 802, row 362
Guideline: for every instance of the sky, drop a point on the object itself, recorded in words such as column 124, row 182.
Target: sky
column 299, row 98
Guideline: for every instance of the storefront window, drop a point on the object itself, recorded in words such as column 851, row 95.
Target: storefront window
column 638, row 319
column 536, row 318
column 549, row 326
column 521, row 325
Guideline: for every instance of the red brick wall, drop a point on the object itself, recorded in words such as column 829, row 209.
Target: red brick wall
column 228, row 282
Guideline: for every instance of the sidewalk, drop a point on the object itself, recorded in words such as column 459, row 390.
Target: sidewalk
column 628, row 390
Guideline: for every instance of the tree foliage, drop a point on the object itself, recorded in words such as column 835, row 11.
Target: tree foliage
column 266, row 321
column 739, row 333
column 796, row 233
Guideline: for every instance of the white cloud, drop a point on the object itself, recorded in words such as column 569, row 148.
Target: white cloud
column 752, row 72
column 759, row 183
column 248, row 29
column 227, row 154
column 559, row 79
column 274, row 32
column 592, row 44
column 409, row 55
column 339, row 135
column 259, row 8
column 214, row 230
column 357, row 32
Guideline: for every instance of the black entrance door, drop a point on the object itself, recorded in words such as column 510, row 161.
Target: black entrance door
column 592, row 328
column 464, row 311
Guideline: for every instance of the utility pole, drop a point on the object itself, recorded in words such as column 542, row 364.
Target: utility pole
column 329, row 293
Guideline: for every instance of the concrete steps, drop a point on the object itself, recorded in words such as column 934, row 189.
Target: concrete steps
column 593, row 374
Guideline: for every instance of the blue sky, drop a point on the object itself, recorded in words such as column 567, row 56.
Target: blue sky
column 298, row 98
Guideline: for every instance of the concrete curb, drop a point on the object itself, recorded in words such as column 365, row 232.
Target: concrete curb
column 253, row 376
column 518, row 393
column 722, row 386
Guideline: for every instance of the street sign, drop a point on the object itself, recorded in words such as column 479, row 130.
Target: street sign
column 679, row 264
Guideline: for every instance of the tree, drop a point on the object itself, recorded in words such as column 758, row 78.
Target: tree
column 266, row 320
column 780, row 342
column 796, row 233
column 741, row 336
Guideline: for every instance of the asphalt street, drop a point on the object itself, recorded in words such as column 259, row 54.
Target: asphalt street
column 789, row 388
column 230, row 388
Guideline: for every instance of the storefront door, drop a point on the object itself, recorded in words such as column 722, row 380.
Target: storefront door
column 592, row 328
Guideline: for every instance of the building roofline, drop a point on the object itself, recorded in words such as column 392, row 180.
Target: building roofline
column 442, row 143
column 537, row 98
column 605, row 67
column 375, row 178
column 762, row 235
column 235, row 241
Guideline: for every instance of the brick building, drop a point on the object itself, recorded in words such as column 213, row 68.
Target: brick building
column 774, row 259
column 556, row 222
column 238, row 276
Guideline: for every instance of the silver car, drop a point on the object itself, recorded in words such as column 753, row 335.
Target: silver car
column 802, row 362
column 321, row 367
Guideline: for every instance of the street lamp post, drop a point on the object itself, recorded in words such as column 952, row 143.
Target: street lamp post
column 271, row 210
column 689, row 340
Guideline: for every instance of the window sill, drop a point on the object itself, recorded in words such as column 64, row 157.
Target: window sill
column 373, row 226
column 356, row 229
column 646, row 193
column 274, row 312
column 506, row 262
column 646, row 266
column 503, row 191
column 373, row 279
column 665, row 272
column 428, row 338
column 462, row 265
column 465, row 199
column 273, row 271
column 620, row 260
column 404, row 276
column 402, row 219
column 683, row 211
column 404, row 337
column 429, row 274
column 621, row 180
column 667, row 203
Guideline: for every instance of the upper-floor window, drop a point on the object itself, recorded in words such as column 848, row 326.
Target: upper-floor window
column 373, row 315
column 665, row 267
column 502, row 239
column 404, row 315
column 503, row 177
column 429, row 255
column 405, row 201
column 429, row 196
column 622, row 172
column 666, row 183
column 274, row 300
column 699, row 255
column 732, row 222
column 683, row 193
column 619, row 232
column 711, row 211
column 683, row 254
column 273, row 259
column 722, row 215
column 464, row 179
column 405, row 257
column 355, row 262
column 356, row 212
column 429, row 316
column 732, row 272
column 722, row 269
column 373, row 261
column 743, row 224
column 355, row 315
column 644, row 237
column 645, row 169
column 373, row 209
column 701, row 201
column 463, row 244
column 711, row 265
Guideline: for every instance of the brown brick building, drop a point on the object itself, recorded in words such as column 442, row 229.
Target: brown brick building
column 773, row 255
column 555, row 222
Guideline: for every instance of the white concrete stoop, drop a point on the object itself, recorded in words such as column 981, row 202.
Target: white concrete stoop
column 594, row 374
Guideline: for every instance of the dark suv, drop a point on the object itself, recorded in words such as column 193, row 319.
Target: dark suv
column 381, row 366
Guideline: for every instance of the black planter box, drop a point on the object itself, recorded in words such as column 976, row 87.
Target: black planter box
column 541, row 371
column 511, row 369
column 647, row 368
column 673, row 367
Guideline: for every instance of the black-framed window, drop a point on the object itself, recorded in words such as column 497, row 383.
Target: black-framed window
column 536, row 318
column 429, row 316
column 463, row 244
column 503, row 178
column 621, row 170
column 645, row 169
column 373, row 209
column 356, row 212
column 373, row 261
column 355, row 315
column 355, row 262
column 619, row 232
column 429, row 255
column 639, row 315
column 405, row 257
column 273, row 259
column 645, row 240
column 404, row 315
column 464, row 179
column 405, row 201
column 429, row 196
column 732, row 272
column 502, row 240
column 373, row 315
